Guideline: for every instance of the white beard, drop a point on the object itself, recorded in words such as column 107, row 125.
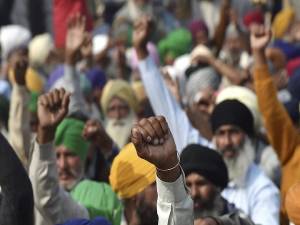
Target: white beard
column 238, row 166
column 120, row 129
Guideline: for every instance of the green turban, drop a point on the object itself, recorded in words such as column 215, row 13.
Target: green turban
column 99, row 199
column 175, row 44
column 69, row 134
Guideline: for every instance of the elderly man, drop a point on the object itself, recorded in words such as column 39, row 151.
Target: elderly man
column 60, row 190
column 133, row 179
column 206, row 176
column 249, row 188
column 120, row 105
column 154, row 143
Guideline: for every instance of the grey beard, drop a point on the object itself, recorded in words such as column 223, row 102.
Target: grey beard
column 238, row 166
column 215, row 211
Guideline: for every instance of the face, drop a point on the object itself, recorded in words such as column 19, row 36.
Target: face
column 117, row 109
column 146, row 206
column 233, row 45
column 201, row 38
column 203, row 192
column 228, row 140
column 70, row 168
column 205, row 101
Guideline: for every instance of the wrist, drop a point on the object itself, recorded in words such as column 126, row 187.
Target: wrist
column 70, row 58
column 259, row 57
column 45, row 134
column 142, row 52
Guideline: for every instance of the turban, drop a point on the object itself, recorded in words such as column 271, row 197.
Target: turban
column 245, row 96
column 292, row 204
column 197, row 26
column 282, row 21
column 206, row 162
column 39, row 49
column 291, row 50
column 175, row 44
column 139, row 90
column 62, row 10
column 200, row 80
column 255, row 16
column 96, row 221
column 97, row 78
column 121, row 89
column 13, row 37
column 32, row 105
column 69, row 134
column 232, row 112
column 129, row 174
column 99, row 199
column 34, row 81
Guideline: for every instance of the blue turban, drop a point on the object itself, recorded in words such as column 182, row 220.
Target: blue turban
column 96, row 221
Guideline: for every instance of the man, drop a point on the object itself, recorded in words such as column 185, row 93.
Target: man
column 249, row 189
column 282, row 133
column 154, row 143
column 59, row 187
column 119, row 105
column 133, row 179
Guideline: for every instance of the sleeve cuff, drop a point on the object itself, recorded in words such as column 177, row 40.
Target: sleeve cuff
column 46, row 151
column 172, row 192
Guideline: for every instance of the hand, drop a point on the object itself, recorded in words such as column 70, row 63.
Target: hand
column 52, row 108
column 173, row 85
column 95, row 133
column 154, row 143
column 75, row 38
column 19, row 65
column 87, row 46
column 260, row 37
column 141, row 33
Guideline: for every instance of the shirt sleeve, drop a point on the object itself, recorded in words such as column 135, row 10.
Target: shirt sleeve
column 53, row 203
column 163, row 103
column 174, row 205
column 19, row 127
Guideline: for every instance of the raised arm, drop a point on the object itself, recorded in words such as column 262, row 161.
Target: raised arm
column 16, row 207
column 19, row 127
column 154, row 142
column 282, row 135
column 53, row 203
column 162, row 101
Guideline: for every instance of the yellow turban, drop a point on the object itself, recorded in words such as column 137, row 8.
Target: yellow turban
column 292, row 204
column 139, row 90
column 120, row 89
column 282, row 21
column 129, row 174
column 34, row 81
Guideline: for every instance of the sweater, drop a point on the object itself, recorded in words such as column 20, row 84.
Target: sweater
column 282, row 134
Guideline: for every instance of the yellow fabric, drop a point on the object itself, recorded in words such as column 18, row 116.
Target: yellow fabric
column 120, row 89
column 129, row 174
column 292, row 204
column 139, row 90
column 34, row 82
column 282, row 21
column 283, row 136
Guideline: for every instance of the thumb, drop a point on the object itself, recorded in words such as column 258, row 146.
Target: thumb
column 137, row 140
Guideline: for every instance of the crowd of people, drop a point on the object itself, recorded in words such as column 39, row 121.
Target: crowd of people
column 152, row 112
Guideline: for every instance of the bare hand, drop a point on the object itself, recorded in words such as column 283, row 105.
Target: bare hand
column 75, row 37
column 19, row 65
column 141, row 33
column 260, row 37
column 95, row 133
column 52, row 108
column 154, row 142
column 87, row 46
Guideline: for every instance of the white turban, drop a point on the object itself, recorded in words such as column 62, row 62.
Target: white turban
column 13, row 37
column 39, row 49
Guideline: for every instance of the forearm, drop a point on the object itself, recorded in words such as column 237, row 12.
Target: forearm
column 19, row 127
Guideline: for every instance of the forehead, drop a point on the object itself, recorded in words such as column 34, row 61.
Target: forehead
column 193, row 177
column 116, row 101
column 228, row 127
column 62, row 150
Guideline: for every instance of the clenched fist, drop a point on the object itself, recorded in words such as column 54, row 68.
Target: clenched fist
column 154, row 142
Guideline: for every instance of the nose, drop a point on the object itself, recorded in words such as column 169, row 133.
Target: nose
column 193, row 191
column 227, row 141
column 61, row 161
column 118, row 114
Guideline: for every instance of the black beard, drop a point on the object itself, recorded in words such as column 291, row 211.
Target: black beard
column 147, row 214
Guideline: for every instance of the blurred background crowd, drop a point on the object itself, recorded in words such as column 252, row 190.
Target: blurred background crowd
column 205, row 65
